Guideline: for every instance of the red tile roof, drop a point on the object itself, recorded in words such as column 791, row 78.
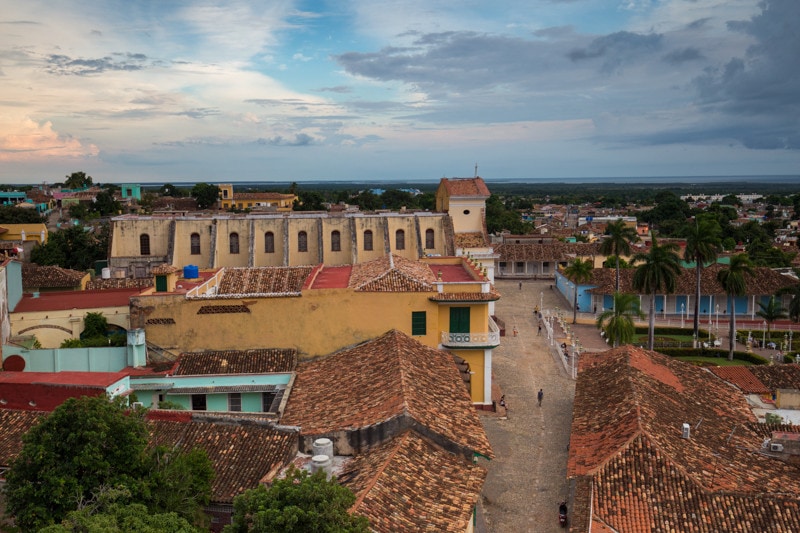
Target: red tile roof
column 742, row 377
column 627, row 449
column 13, row 425
column 59, row 301
column 411, row 485
column 244, row 453
column 778, row 376
column 386, row 378
column 551, row 252
column 84, row 379
column 50, row 277
column 392, row 273
column 466, row 187
column 263, row 280
column 260, row 361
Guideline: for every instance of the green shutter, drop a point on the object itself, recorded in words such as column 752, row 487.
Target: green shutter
column 419, row 323
column 459, row 320
column 161, row 283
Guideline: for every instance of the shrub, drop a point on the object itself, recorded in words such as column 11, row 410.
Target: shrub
column 714, row 352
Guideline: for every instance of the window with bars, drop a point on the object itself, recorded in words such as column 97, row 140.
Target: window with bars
column 368, row 240
column 419, row 323
column 430, row 241
column 198, row 402
column 234, row 243
column 336, row 241
column 144, row 244
column 195, row 243
column 269, row 242
column 302, row 241
column 235, row 401
column 400, row 240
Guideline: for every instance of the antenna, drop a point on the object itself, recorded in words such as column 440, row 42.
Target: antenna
column 476, row 170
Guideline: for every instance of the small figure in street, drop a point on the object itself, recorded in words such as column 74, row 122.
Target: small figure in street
column 515, row 331
column 540, row 396
column 503, row 402
column 540, row 331
column 520, row 285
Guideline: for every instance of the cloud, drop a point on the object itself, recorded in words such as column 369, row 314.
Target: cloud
column 65, row 65
column 31, row 140
column 763, row 86
column 301, row 139
column 618, row 48
column 683, row 55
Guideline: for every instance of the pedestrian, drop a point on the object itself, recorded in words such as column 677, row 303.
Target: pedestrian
column 515, row 331
column 540, row 396
column 539, row 334
column 520, row 285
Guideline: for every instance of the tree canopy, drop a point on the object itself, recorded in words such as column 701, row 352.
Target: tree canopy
column 78, row 180
column 10, row 214
column 72, row 247
column 87, row 445
column 299, row 503
column 205, row 194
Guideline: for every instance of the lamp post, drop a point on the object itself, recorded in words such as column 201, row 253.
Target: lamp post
column 541, row 300
column 785, row 341
column 764, row 334
column 709, row 330
column 717, row 319
column 683, row 314
column 789, row 347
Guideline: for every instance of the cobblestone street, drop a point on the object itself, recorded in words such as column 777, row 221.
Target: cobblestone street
column 527, row 479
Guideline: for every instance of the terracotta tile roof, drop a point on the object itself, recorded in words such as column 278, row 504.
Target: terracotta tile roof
column 765, row 281
column 627, row 449
column 263, row 280
column 466, row 187
column 163, row 269
column 466, row 296
column 411, row 485
column 13, row 425
column 243, row 452
column 392, row 273
column 778, row 376
column 119, row 283
column 51, row 277
column 552, row 251
column 742, row 377
column 471, row 240
column 388, row 377
column 261, row 361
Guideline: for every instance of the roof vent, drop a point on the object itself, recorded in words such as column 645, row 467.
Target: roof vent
column 323, row 463
column 775, row 447
column 686, row 430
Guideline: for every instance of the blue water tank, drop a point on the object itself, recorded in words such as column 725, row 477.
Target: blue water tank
column 191, row 272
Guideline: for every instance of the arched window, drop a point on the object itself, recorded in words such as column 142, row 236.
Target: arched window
column 429, row 239
column 144, row 244
column 195, row 243
column 234, row 242
column 368, row 239
column 269, row 242
column 336, row 241
column 302, row 241
column 400, row 240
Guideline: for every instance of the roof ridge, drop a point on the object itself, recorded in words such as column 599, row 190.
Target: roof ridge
column 396, row 446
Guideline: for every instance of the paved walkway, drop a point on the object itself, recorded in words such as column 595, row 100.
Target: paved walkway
column 527, row 479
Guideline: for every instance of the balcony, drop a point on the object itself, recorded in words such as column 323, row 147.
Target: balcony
column 473, row 339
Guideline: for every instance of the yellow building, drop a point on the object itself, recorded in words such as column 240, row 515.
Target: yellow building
column 440, row 301
column 265, row 201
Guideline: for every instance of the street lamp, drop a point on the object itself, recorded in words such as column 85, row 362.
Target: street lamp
column 683, row 314
column 764, row 334
column 709, row 330
column 541, row 300
column 717, row 319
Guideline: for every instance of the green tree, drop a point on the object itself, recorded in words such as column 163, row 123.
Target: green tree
column 309, row 201
column 733, row 283
column 772, row 311
column 301, row 503
column 180, row 482
column 702, row 246
column 618, row 323
column 110, row 511
column 367, row 201
column 578, row 271
column 72, row 247
column 618, row 242
column 205, row 194
column 95, row 325
column 84, row 444
column 10, row 214
column 105, row 204
column 658, row 272
column 78, row 180
column 169, row 189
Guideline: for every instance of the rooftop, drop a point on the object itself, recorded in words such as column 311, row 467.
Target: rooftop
column 263, row 361
column 51, row 277
column 63, row 300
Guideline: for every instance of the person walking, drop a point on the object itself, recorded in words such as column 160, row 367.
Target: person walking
column 540, row 396
column 539, row 333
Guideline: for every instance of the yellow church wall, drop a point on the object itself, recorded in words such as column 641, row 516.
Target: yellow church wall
column 226, row 227
column 475, row 359
column 467, row 214
column 412, row 245
column 376, row 226
column 261, row 226
column 437, row 225
column 127, row 232
column 311, row 256
column 51, row 328
column 345, row 254
column 182, row 253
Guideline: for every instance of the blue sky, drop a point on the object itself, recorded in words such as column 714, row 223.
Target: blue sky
column 285, row 90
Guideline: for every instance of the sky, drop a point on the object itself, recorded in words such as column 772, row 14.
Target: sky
column 368, row 90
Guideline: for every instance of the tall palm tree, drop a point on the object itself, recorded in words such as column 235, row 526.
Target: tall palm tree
column 771, row 312
column 618, row 242
column 618, row 322
column 703, row 245
column 578, row 271
column 658, row 272
column 733, row 283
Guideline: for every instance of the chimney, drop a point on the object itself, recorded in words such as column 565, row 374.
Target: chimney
column 686, row 430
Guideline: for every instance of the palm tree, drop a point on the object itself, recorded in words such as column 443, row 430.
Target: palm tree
column 702, row 246
column 618, row 242
column 578, row 271
column 771, row 312
column 794, row 303
column 658, row 272
column 733, row 283
column 618, row 323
